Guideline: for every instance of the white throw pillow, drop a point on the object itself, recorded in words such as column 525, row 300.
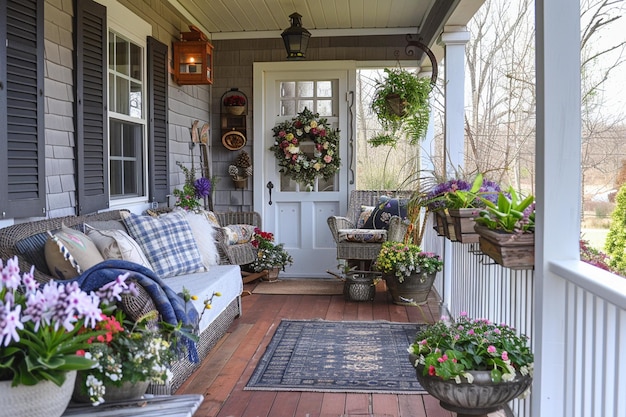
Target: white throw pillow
column 117, row 244
column 204, row 234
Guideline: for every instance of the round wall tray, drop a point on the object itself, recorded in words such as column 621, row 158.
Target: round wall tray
column 233, row 140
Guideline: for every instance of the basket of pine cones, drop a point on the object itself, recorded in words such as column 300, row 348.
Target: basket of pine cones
column 241, row 169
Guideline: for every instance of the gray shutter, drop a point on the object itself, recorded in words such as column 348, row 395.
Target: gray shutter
column 22, row 136
column 157, row 121
column 90, row 106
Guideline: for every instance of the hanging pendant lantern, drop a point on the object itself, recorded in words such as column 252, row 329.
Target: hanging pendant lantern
column 296, row 38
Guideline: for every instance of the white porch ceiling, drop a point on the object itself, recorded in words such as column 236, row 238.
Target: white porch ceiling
column 247, row 19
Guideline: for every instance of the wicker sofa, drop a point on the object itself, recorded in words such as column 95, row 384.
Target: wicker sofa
column 27, row 241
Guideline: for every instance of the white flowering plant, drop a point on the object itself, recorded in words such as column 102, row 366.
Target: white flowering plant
column 450, row 349
column 42, row 327
column 128, row 351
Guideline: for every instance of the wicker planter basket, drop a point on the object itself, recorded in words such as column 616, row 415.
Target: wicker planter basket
column 360, row 286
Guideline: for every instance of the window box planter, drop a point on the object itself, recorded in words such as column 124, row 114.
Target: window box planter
column 463, row 221
column 515, row 251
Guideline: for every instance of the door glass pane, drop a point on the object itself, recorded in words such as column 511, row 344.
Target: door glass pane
column 288, row 89
column 325, row 107
column 305, row 103
column 287, row 107
column 305, row 89
column 287, row 184
column 324, row 89
column 326, row 185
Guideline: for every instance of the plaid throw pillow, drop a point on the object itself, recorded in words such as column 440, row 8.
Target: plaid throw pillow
column 168, row 243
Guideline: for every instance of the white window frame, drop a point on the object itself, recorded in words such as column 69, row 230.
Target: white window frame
column 124, row 22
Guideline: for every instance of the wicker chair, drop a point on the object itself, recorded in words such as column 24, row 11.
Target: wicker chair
column 360, row 254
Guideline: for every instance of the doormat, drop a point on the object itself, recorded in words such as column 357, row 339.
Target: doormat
column 300, row 287
column 338, row 356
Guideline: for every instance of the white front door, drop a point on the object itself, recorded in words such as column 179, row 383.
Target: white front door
column 295, row 214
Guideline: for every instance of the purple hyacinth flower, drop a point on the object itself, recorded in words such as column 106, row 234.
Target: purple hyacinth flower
column 203, row 187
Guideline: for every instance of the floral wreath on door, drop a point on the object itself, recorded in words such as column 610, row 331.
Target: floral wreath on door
column 294, row 162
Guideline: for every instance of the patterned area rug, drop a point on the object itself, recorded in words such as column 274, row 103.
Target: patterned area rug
column 338, row 356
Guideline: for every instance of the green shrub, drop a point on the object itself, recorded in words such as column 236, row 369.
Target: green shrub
column 616, row 238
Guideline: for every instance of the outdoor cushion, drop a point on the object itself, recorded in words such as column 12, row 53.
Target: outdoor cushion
column 116, row 244
column 167, row 242
column 384, row 210
column 362, row 235
column 239, row 233
column 366, row 212
column 204, row 234
column 69, row 252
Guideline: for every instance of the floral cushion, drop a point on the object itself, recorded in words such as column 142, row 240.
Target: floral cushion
column 366, row 212
column 167, row 242
column 386, row 208
column 362, row 235
column 239, row 233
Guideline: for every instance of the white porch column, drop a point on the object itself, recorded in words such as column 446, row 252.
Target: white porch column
column 454, row 39
column 558, row 191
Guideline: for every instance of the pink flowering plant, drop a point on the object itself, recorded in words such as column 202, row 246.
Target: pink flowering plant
column 306, row 147
column 406, row 259
column 450, row 349
column 42, row 327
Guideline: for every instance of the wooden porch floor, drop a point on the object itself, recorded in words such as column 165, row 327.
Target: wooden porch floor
column 226, row 370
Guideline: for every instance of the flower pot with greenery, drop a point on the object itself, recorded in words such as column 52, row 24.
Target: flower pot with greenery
column 43, row 328
column 507, row 230
column 271, row 257
column 129, row 355
column 472, row 366
column 408, row 272
column 401, row 103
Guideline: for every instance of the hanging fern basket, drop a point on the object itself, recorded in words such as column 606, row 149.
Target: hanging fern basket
column 397, row 104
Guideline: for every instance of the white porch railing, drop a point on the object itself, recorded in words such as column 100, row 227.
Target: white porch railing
column 595, row 379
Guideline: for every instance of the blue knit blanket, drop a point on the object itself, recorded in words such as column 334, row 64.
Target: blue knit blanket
column 170, row 305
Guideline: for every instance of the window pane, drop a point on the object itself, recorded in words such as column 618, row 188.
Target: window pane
column 130, row 179
column 111, row 50
column 135, row 100
column 121, row 56
column 288, row 89
column 122, row 100
column 287, row 107
column 325, row 107
column 324, row 89
column 305, row 103
column 136, row 70
column 116, row 178
column 305, row 89
column 112, row 93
